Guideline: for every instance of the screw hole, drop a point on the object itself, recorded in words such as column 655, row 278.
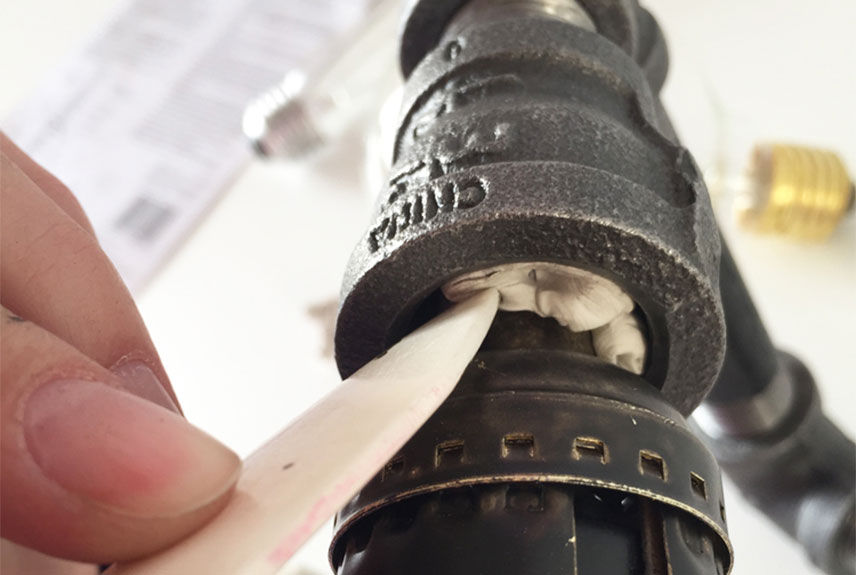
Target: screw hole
column 453, row 50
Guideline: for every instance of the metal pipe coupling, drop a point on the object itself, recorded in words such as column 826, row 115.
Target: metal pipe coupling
column 525, row 137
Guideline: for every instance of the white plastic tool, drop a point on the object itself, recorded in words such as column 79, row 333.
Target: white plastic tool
column 298, row 480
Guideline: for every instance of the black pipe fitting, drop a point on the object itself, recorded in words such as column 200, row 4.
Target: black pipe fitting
column 530, row 139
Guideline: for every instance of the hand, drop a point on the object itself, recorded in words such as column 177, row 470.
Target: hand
column 98, row 464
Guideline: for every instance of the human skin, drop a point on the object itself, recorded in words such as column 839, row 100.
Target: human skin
column 98, row 464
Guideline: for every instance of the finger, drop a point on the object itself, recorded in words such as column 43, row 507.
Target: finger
column 18, row 560
column 91, row 472
column 47, row 182
column 55, row 274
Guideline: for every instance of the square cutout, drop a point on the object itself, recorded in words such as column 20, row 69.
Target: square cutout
column 651, row 463
column 449, row 452
column 518, row 445
column 698, row 485
column 393, row 467
column 590, row 448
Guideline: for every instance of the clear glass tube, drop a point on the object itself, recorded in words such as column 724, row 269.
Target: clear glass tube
column 319, row 104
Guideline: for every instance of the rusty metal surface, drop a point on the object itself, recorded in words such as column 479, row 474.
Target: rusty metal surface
column 547, row 419
column 525, row 528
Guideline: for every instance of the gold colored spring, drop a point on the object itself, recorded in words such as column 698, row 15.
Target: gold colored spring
column 796, row 191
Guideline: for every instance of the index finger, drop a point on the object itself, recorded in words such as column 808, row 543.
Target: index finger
column 47, row 182
column 54, row 273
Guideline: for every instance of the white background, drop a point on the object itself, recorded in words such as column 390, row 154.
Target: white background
column 230, row 311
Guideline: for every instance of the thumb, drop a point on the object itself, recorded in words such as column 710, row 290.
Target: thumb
column 91, row 471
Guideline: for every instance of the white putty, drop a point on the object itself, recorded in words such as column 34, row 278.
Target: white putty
column 577, row 299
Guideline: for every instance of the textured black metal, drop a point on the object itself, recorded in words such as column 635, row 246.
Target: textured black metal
column 751, row 360
column 548, row 148
column 542, row 461
column 426, row 21
column 653, row 55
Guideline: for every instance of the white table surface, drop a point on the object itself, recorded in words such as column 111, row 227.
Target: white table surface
column 230, row 312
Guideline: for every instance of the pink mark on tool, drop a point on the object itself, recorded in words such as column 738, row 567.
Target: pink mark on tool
column 327, row 505
column 319, row 512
